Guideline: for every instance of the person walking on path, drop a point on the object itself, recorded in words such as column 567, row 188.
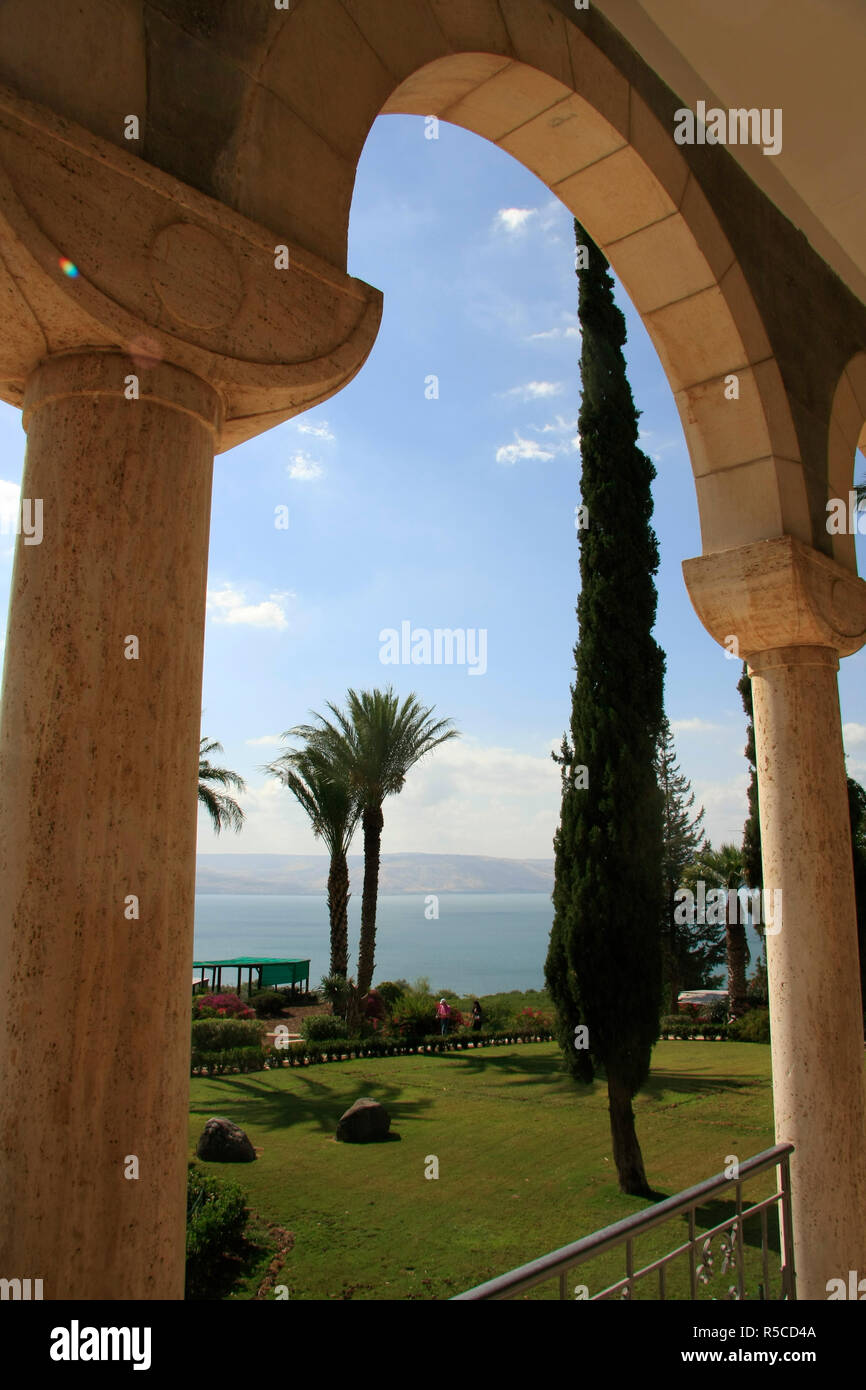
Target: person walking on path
column 443, row 1013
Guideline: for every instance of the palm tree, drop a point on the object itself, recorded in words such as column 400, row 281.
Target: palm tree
column 334, row 811
column 375, row 742
column 724, row 868
column 224, row 811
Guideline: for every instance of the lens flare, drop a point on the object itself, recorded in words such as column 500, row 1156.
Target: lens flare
column 68, row 267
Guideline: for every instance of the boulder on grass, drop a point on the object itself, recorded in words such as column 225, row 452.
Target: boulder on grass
column 222, row 1141
column 364, row 1122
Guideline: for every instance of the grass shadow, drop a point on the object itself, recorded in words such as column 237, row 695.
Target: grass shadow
column 256, row 1103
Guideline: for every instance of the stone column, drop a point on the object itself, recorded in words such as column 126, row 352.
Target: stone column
column 98, row 765
column 793, row 612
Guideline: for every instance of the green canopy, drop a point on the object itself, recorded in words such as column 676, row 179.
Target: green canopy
column 272, row 970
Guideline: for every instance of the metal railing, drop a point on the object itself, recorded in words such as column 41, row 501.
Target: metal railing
column 560, row 1264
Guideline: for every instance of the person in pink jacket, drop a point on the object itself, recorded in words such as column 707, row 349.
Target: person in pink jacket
column 443, row 1013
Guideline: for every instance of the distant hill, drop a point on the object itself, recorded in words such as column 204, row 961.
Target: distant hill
column 399, row 873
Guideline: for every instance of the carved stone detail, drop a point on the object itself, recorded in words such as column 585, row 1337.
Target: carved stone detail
column 272, row 327
column 775, row 594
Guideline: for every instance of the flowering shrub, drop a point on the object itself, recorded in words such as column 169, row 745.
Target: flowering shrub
column 528, row 1019
column 220, row 1006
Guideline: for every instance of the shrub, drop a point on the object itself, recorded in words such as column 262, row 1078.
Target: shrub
column 414, row 1016
column 752, row 1027
column 217, row 1034
column 216, row 1216
column 445, row 994
column 322, row 1027
column 717, row 1012
column 494, row 1018
column 269, row 1003
column 391, row 991
column 220, row 1006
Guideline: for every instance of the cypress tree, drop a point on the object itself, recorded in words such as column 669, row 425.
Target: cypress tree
column 690, row 950
column 752, row 866
column 603, row 966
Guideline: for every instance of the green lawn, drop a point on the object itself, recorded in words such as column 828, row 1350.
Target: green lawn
column 524, row 1162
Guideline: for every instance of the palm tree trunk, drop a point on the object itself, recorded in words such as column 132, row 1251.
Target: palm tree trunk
column 736, row 944
column 626, row 1149
column 372, row 821
column 338, row 912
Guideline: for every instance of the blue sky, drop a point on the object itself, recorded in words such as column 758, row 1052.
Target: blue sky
column 449, row 512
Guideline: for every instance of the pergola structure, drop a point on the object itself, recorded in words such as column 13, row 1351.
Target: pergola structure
column 175, row 186
column 273, row 972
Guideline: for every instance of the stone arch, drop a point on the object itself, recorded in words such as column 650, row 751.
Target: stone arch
column 525, row 77
column 846, row 434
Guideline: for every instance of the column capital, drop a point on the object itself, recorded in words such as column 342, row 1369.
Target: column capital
column 100, row 249
column 777, row 594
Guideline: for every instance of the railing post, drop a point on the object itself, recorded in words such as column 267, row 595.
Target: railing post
column 789, row 1272
column 693, row 1271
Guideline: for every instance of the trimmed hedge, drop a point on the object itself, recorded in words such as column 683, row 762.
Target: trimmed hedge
column 687, row 1029
column 299, row 1054
column 228, row 1059
column 217, row 1034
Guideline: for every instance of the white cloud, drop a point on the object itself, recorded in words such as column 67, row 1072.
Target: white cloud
column 228, row 606
column 557, row 426
column 651, row 443
column 533, row 449
column 570, row 330
column 523, row 449
column 266, row 741
column 536, row 390
column 320, row 430
column 515, row 219
column 726, row 806
column 852, row 734
column 464, row 798
column 694, row 726
column 303, row 468
column 10, row 515
column 10, row 496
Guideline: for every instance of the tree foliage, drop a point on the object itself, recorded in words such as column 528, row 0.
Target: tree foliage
column 723, row 868
column 690, row 950
column 372, row 745
column 753, row 871
column 224, row 811
column 319, row 785
column 603, row 966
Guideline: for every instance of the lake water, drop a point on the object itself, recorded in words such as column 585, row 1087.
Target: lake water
column 482, row 943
